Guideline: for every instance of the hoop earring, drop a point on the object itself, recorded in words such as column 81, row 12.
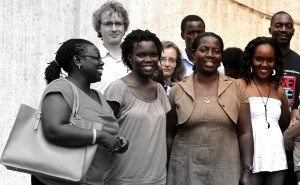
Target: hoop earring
column 274, row 72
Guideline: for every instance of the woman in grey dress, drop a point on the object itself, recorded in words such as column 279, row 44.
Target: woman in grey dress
column 209, row 126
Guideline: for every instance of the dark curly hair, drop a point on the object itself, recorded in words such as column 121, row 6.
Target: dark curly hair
column 64, row 58
column 137, row 36
column 232, row 58
column 246, row 73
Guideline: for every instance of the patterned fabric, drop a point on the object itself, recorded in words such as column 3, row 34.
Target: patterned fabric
column 205, row 150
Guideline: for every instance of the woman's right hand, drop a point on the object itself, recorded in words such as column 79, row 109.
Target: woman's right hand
column 109, row 141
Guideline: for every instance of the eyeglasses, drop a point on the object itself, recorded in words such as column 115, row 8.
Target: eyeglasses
column 97, row 56
column 164, row 60
column 110, row 24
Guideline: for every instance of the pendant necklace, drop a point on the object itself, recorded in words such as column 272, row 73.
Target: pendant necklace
column 207, row 100
column 265, row 104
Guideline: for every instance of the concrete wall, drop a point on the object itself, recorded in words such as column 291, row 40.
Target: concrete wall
column 31, row 31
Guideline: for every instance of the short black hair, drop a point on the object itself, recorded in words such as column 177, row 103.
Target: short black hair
column 205, row 34
column 199, row 37
column 137, row 36
column 190, row 18
column 280, row 12
column 233, row 57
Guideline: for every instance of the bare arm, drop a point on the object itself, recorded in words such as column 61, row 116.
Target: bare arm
column 246, row 146
column 285, row 116
column 55, row 118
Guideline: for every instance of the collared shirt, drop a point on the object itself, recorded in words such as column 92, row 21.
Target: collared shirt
column 189, row 64
column 231, row 95
column 113, row 69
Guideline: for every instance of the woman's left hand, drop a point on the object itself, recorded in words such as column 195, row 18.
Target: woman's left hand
column 246, row 178
column 125, row 144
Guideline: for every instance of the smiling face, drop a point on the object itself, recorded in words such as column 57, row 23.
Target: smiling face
column 208, row 55
column 168, row 62
column 91, row 64
column 282, row 29
column 144, row 58
column 112, row 34
column 263, row 62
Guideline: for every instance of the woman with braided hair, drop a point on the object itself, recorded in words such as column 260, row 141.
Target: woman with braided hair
column 80, row 59
column 140, row 106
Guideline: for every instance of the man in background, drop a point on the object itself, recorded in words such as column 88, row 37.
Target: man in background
column 191, row 26
column 110, row 22
column 282, row 30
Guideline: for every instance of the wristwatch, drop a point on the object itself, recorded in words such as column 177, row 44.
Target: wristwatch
column 247, row 167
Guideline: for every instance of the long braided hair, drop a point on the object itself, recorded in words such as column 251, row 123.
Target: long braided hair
column 137, row 36
column 64, row 58
column 246, row 72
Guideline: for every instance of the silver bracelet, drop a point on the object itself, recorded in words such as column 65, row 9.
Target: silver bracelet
column 94, row 136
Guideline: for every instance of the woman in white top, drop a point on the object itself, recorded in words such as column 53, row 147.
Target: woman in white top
column 262, row 70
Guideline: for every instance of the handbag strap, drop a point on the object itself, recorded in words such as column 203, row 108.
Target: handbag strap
column 75, row 106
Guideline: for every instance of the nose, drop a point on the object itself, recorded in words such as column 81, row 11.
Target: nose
column 283, row 28
column 209, row 53
column 101, row 62
column 113, row 27
column 264, row 63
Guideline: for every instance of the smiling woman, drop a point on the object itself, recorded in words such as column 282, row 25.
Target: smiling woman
column 262, row 70
column 140, row 106
column 209, row 127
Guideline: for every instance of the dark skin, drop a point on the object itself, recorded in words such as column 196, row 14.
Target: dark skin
column 192, row 28
column 144, row 58
column 282, row 29
column 57, row 112
column 208, row 57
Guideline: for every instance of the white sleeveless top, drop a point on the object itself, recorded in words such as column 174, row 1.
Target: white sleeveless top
column 269, row 152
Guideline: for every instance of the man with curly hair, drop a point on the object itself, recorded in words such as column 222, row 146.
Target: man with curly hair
column 110, row 22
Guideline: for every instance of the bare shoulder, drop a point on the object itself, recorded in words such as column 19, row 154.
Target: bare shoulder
column 242, row 82
column 281, row 93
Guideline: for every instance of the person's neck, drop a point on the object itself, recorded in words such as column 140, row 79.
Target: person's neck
column 261, row 82
column 80, row 82
column 285, row 49
column 206, row 79
column 189, row 53
column 144, row 80
column 115, row 50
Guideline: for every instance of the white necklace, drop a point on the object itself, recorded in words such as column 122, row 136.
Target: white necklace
column 207, row 100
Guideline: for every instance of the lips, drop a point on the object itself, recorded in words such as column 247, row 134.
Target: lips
column 147, row 68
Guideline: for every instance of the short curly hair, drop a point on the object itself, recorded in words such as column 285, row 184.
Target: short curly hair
column 112, row 6
column 232, row 57
column 137, row 36
column 246, row 73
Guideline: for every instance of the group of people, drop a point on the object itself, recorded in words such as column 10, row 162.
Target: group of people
column 215, row 117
